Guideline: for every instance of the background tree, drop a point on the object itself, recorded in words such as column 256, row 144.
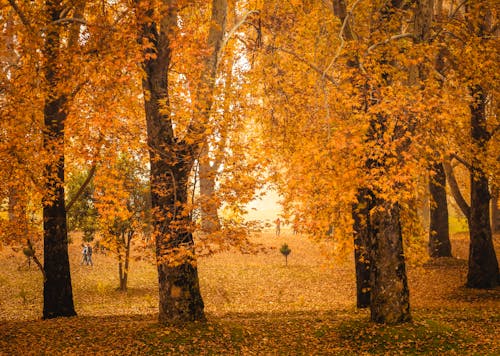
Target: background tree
column 472, row 52
column 122, row 202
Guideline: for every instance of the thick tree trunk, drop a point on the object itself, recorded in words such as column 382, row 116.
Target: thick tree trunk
column 483, row 265
column 171, row 162
column 57, row 289
column 439, row 235
column 362, row 229
column 180, row 297
column 390, row 301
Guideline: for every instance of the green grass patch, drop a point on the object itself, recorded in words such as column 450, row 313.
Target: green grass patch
column 416, row 338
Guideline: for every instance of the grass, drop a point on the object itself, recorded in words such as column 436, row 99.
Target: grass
column 254, row 304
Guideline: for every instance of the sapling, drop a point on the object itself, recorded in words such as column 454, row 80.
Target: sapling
column 285, row 251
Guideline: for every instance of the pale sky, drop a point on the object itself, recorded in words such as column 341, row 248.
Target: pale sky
column 266, row 208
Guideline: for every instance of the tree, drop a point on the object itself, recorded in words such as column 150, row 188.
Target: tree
column 473, row 24
column 122, row 203
column 285, row 251
column 57, row 291
column 172, row 158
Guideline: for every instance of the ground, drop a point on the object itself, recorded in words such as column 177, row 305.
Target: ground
column 254, row 305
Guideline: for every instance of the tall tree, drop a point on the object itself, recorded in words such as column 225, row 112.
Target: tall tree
column 57, row 291
column 475, row 26
column 483, row 265
column 172, row 157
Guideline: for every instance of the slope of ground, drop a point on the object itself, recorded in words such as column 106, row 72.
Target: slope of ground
column 255, row 305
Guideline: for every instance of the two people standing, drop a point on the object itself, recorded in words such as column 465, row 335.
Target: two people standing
column 87, row 255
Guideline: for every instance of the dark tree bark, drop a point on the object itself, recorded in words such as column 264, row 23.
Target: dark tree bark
column 57, row 289
column 376, row 222
column 495, row 215
column 362, row 229
column 483, row 265
column 123, row 263
column 390, row 299
column 171, row 163
column 439, row 235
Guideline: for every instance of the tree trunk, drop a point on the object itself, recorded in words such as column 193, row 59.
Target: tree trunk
column 209, row 203
column 389, row 302
column 180, row 297
column 483, row 265
column 495, row 216
column 203, row 110
column 122, row 286
column 362, row 228
column 57, row 289
column 439, row 236
column 171, row 162
column 123, row 266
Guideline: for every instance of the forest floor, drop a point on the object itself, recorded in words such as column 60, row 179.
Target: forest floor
column 254, row 305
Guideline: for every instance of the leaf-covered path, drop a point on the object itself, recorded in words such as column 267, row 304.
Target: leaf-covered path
column 255, row 305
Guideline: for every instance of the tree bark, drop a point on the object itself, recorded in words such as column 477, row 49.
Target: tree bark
column 362, row 229
column 439, row 236
column 203, row 110
column 483, row 265
column 390, row 299
column 455, row 190
column 495, row 216
column 57, row 289
column 171, row 162
column 209, row 203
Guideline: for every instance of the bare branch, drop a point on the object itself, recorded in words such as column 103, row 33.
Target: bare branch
column 341, row 36
column 392, row 38
column 455, row 189
column 235, row 28
column 462, row 161
column 82, row 187
column 69, row 20
column 21, row 15
column 306, row 62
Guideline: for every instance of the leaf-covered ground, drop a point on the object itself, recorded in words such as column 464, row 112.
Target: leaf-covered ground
column 254, row 305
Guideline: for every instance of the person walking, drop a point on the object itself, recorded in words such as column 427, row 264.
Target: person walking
column 84, row 255
column 89, row 255
column 278, row 226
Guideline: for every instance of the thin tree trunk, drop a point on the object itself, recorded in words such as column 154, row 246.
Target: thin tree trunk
column 209, row 204
column 483, row 265
column 124, row 279
column 439, row 236
column 57, row 289
column 455, row 190
column 120, row 271
column 362, row 229
column 203, row 110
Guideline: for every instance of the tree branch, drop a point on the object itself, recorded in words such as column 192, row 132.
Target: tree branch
column 235, row 28
column 306, row 62
column 462, row 161
column 455, row 189
column 341, row 35
column 21, row 15
column 82, row 187
column 392, row 38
